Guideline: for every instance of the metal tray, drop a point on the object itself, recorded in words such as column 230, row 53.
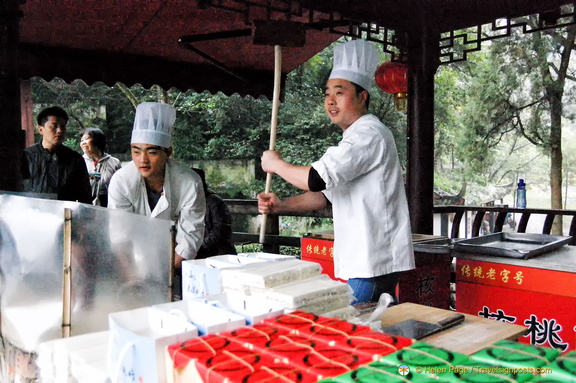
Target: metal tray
column 436, row 246
column 512, row 245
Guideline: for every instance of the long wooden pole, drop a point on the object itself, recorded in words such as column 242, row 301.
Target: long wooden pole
column 172, row 269
column 67, row 274
column 273, row 125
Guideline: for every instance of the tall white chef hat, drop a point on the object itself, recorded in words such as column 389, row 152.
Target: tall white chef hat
column 153, row 124
column 356, row 61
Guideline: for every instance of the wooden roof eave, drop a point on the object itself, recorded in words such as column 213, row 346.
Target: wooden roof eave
column 109, row 68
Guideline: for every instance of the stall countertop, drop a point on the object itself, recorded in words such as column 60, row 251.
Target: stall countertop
column 562, row 259
column 472, row 335
column 415, row 237
column 425, row 237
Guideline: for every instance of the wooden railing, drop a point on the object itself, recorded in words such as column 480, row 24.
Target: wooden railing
column 273, row 239
column 498, row 215
column 454, row 218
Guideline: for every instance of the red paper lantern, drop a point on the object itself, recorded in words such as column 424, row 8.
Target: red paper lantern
column 392, row 77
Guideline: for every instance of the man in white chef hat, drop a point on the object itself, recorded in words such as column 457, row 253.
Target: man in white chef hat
column 155, row 185
column 361, row 178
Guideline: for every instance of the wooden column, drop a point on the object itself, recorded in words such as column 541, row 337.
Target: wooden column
column 26, row 106
column 422, row 65
column 11, row 133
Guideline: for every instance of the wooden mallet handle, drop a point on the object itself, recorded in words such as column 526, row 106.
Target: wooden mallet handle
column 273, row 125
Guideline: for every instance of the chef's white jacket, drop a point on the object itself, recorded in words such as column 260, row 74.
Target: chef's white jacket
column 364, row 183
column 182, row 202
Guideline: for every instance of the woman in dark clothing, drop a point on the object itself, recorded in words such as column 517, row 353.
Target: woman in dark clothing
column 218, row 221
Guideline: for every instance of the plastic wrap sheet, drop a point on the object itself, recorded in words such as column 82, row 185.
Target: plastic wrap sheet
column 119, row 261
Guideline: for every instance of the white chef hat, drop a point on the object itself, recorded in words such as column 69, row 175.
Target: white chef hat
column 356, row 61
column 153, row 124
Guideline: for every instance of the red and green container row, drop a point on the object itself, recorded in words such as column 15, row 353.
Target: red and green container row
column 303, row 347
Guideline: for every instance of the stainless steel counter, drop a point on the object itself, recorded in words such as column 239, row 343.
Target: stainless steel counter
column 563, row 259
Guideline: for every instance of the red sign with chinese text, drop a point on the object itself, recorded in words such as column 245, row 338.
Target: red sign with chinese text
column 516, row 277
column 538, row 299
column 320, row 251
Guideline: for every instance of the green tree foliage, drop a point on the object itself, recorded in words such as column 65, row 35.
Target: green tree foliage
column 77, row 99
column 495, row 115
column 448, row 169
column 510, row 95
column 215, row 126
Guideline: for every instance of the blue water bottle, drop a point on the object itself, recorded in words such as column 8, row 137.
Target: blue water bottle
column 521, row 195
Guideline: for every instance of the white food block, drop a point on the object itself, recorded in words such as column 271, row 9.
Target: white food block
column 328, row 303
column 344, row 313
column 266, row 256
column 307, row 292
column 269, row 274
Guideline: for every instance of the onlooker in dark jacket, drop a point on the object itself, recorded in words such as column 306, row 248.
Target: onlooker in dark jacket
column 50, row 167
column 218, row 225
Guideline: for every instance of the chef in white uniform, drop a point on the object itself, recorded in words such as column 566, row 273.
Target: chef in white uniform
column 361, row 178
column 156, row 186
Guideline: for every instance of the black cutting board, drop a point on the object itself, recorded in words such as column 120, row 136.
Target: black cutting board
column 417, row 329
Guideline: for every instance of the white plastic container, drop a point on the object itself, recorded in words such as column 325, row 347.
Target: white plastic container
column 201, row 277
column 253, row 309
column 137, row 341
column 236, row 259
column 207, row 318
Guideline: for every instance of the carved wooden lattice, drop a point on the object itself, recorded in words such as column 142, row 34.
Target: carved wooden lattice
column 456, row 45
column 453, row 46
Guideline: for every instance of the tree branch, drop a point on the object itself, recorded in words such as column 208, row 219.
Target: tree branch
column 128, row 93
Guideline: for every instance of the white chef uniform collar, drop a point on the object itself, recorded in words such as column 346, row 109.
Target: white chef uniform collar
column 356, row 61
column 153, row 124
